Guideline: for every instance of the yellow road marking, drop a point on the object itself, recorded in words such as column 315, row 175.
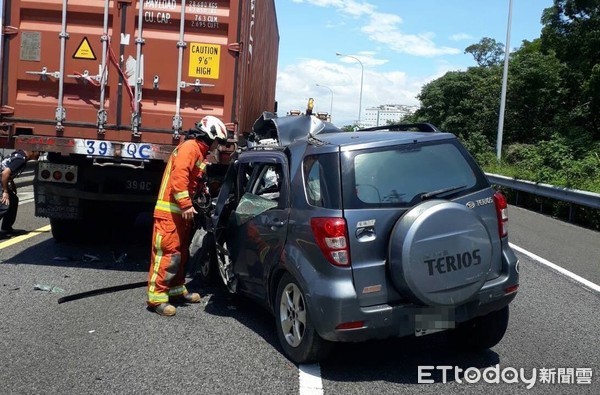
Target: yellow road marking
column 18, row 239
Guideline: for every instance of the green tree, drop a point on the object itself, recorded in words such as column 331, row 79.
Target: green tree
column 534, row 103
column 572, row 31
column 463, row 102
column 487, row 52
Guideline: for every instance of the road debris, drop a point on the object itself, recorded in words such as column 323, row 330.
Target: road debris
column 90, row 258
column 47, row 288
column 63, row 258
column 121, row 259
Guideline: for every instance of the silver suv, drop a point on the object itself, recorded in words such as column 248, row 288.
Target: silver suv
column 351, row 236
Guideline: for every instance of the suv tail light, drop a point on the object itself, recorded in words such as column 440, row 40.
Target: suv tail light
column 502, row 213
column 331, row 235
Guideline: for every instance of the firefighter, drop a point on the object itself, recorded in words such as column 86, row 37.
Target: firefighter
column 173, row 217
column 10, row 168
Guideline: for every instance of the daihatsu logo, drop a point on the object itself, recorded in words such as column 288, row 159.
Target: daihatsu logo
column 470, row 204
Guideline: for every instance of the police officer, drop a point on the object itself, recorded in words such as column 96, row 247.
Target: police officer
column 10, row 168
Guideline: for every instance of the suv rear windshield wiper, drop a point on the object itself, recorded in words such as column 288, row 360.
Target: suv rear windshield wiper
column 440, row 192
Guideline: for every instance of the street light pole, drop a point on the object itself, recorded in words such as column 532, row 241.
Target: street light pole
column 331, row 105
column 362, row 73
column 504, row 83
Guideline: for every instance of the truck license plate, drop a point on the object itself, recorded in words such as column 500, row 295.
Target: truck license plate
column 110, row 149
column 138, row 185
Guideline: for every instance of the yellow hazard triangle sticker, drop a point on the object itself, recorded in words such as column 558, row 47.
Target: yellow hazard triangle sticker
column 84, row 50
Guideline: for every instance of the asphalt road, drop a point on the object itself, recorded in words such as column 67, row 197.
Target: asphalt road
column 111, row 344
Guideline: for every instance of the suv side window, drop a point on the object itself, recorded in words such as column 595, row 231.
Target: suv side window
column 322, row 180
column 268, row 182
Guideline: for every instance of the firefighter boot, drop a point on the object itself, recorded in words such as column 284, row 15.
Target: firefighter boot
column 165, row 309
column 190, row 297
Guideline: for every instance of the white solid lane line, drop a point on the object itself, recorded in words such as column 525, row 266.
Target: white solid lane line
column 310, row 379
column 579, row 279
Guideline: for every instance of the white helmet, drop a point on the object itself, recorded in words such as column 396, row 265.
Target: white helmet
column 213, row 127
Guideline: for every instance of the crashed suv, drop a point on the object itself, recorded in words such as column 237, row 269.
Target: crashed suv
column 351, row 236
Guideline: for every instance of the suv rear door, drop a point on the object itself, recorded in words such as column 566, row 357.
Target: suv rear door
column 381, row 183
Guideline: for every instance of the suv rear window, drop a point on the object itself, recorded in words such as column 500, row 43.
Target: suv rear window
column 400, row 175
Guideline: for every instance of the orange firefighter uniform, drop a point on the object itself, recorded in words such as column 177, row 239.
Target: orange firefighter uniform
column 171, row 234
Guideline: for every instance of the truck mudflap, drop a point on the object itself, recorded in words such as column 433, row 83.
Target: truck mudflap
column 96, row 148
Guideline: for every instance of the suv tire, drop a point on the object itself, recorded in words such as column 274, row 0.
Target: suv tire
column 481, row 332
column 297, row 336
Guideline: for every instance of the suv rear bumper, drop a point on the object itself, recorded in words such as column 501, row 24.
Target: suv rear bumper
column 397, row 320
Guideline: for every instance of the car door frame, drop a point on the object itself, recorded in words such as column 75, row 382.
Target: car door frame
column 275, row 219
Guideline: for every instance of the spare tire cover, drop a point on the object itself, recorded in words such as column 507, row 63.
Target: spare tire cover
column 440, row 253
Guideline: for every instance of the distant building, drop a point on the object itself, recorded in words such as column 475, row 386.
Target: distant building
column 385, row 114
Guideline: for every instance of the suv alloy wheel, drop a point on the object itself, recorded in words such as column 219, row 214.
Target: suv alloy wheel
column 294, row 326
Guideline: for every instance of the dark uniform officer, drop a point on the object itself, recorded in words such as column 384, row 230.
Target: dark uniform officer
column 11, row 167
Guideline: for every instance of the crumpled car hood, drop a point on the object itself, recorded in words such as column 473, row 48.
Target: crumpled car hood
column 288, row 129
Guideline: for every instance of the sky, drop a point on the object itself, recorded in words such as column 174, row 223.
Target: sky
column 402, row 45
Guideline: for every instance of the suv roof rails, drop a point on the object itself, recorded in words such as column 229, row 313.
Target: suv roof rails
column 267, row 147
column 420, row 126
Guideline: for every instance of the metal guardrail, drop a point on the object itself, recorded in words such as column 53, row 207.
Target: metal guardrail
column 583, row 198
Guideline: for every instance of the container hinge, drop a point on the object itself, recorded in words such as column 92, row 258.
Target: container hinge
column 196, row 84
column 10, row 30
column 7, row 110
column 236, row 47
column 102, row 118
column 136, row 122
column 61, row 115
column 177, row 125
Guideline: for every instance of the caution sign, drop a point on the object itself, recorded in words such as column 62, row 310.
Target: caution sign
column 84, row 51
column 205, row 60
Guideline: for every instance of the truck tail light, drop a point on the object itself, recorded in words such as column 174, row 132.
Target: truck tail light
column 57, row 173
column 502, row 213
column 69, row 176
column 331, row 235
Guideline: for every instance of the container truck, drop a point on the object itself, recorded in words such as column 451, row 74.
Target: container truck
column 107, row 90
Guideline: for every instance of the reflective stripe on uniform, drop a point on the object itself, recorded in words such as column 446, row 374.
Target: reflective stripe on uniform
column 181, row 195
column 168, row 207
column 155, row 268
column 178, row 291
column 158, row 297
column 166, row 178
